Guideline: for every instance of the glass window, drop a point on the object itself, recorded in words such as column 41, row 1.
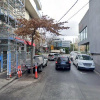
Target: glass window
column 83, row 34
column 86, row 32
column 80, row 36
column 62, row 59
column 85, row 57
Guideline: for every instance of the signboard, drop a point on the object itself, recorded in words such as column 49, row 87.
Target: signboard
column 52, row 47
column 65, row 43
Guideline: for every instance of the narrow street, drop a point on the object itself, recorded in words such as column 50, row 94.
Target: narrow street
column 55, row 85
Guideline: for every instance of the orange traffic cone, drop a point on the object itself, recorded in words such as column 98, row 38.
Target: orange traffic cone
column 10, row 76
column 36, row 74
column 20, row 73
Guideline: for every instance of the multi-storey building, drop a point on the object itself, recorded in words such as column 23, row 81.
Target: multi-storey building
column 12, row 47
column 58, row 43
column 89, row 30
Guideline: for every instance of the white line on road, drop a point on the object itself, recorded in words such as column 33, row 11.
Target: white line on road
column 83, row 73
column 97, row 72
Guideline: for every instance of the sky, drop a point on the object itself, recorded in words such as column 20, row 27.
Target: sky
column 57, row 8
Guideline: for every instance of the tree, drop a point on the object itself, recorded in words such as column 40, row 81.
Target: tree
column 30, row 28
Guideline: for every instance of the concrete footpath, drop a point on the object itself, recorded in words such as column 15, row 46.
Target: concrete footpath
column 4, row 81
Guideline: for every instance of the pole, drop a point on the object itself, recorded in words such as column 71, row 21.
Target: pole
column 34, row 49
column 73, row 44
column 7, row 64
column 1, row 61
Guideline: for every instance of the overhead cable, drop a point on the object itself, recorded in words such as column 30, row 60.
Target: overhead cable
column 78, row 11
column 68, row 10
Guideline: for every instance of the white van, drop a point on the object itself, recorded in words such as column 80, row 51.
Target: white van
column 73, row 54
column 84, row 61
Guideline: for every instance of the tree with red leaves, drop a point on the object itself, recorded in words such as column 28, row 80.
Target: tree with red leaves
column 30, row 28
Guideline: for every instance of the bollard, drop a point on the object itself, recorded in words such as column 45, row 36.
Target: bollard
column 36, row 74
column 10, row 76
column 19, row 72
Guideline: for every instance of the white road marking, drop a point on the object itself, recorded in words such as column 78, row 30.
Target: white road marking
column 83, row 73
column 97, row 72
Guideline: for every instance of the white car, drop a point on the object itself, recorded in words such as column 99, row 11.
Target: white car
column 73, row 55
column 51, row 56
column 45, row 61
column 84, row 61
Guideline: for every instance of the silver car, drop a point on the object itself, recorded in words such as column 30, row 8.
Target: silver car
column 51, row 56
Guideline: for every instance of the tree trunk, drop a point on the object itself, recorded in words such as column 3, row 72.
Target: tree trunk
column 32, row 52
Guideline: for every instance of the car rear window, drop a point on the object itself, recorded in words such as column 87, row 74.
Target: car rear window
column 62, row 59
column 56, row 54
column 50, row 55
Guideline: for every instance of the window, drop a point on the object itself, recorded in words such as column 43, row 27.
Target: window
column 83, row 34
column 85, row 57
column 86, row 32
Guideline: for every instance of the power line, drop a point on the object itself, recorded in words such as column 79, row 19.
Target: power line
column 68, row 10
column 78, row 11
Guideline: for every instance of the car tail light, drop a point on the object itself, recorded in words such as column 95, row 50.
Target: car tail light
column 56, row 62
column 70, row 62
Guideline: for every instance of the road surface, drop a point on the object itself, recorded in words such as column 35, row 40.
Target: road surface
column 55, row 85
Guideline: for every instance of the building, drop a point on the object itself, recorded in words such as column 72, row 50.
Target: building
column 12, row 47
column 59, row 43
column 89, row 30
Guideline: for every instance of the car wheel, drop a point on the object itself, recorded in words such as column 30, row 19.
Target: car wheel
column 69, row 69
column 92, row 69
column 78, row 67
column 56, row 68
column 40, row 68
column 46, row 64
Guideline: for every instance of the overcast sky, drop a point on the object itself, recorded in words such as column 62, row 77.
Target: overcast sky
column 57, row 8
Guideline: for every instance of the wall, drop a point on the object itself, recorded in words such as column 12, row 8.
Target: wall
column 27, row 16
column 94, row 26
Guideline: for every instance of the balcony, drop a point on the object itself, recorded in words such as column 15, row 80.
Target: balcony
column 32, row 9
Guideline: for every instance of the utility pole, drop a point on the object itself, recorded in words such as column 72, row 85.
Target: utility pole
column 73, row 44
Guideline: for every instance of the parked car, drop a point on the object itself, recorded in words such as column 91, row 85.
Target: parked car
column 73, row 55
column 84, row 61
column 51, row 56
column 63, row 62
column 45, row 61
column 38, row 59
column 56, row 55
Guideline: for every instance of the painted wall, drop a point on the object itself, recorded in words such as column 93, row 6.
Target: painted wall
column 94, row 26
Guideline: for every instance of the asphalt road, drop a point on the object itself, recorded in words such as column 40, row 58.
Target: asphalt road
column 55, row 85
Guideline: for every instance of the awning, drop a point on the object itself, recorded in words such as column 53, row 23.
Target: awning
column 29, row 43
column 24, row 41
column 21, row 40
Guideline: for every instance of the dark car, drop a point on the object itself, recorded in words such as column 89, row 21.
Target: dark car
column 63, row 63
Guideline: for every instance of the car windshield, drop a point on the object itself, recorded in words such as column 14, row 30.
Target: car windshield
column 85, row 57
